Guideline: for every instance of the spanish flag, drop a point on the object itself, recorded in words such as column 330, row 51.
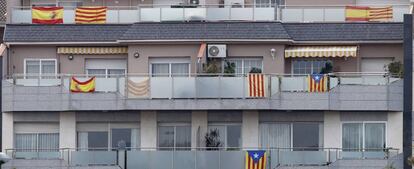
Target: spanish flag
column 47, row 15
column 82, row 87
column 364, row 13
column 91, row 15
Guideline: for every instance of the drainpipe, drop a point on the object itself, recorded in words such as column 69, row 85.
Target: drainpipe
column 408, row 89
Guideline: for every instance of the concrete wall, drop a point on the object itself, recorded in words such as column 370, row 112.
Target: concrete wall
column 250, row 129
column 332, row 129
column 149, row 125
column 199, row 124
column 7, row 131
column 395, row 130
column 67, row 133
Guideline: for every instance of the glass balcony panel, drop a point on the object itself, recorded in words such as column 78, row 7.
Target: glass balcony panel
column 264, row 14
column 351, row 80
column 374, row 155
column 112, row 16
column 274, row 162
column 313, row 15
column 351, row 155
column 84, row 158
column 218, row 14
column 333, row 82
column 241, row 13
column 195, row 14
column 161, row 87
column 150, row 14
column 374, row 80
column 274, row 85
column 207, row 159
column 232, row 159
column 184, row 87
column 172, row 14
column 398, row 13
column 232, row 87
column 294, row 84
column 128, row 16
column 184, row 159
column 207, row 87
column 292, row 15
column 69, row 16
column 335, row 14
column 303, row 157
column 21, row 15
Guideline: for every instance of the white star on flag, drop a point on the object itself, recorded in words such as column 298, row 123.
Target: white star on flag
column 255, row 155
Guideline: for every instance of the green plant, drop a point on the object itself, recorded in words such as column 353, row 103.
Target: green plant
column 212, row 139
column 396, row 68
column 327, row 68
column 390, row 166
column 255, row 70
column 230, row 68
column 212, row 67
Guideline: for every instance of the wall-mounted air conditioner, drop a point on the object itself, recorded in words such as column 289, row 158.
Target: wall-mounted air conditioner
column 217, row 51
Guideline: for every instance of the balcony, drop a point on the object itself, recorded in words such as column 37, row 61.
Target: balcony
column 347, row 91
column 246, row 12
column 200, row 158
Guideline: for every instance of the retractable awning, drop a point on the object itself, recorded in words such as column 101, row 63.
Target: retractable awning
column 320, row 51
column 93, row 50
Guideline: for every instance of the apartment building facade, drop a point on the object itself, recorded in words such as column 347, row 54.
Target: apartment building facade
column 163, row 88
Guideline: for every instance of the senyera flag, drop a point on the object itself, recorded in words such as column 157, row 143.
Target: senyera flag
column 256, row 159
column 256, row 85
column 365, row 13
column 47, row 15
column 82, row 87
column 91, row 15
column 317, row 83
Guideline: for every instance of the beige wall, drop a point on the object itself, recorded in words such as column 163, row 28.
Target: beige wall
column 77, row 65
column 320, row 2
column 7, row 131
column 381, row 51
column 19, row 53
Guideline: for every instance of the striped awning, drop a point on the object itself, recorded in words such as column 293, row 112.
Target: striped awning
column 93, row 50
column 321, row 51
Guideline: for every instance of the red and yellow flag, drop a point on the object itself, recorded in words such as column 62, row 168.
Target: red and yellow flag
column 364, row 13
column 82, row 87
column 256, row 85
column 90, row 15
column 317, row 83
column 47, row 15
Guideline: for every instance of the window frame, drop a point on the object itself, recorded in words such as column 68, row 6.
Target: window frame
column 291, row 132
column 106, row 75
column 37, row 149
column 40, row 65
column 169, row 61
column 174, row 125
column 292, row 70
column 243, row 60
column 225, row 125
column 363, row 131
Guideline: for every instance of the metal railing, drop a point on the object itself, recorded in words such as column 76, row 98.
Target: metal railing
column 214, row 12
column 199, row 86
column 202, row 157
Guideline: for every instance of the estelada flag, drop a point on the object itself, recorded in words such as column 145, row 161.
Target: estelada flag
column 91, row 15
column 317, row 83
column 364, row 13
column 255, row 159
column 82, row 87
column 47, row 15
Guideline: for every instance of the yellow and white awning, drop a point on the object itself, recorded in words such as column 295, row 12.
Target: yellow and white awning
column 93, row 50
column 320, row 51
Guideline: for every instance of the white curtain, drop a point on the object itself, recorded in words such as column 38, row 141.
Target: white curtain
column 83, row 141
column 374, row 136
column 48, row 142
column 352, row 136
column 160, row 69
column 26, row 142
column 135, row 138
column 275, row 135
column 180, row 69
column 183, row 136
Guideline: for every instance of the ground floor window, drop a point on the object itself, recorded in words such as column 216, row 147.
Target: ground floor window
column 363, row 136
column 37, row 141
column 174, row 136
column 311, row 66
column 291, row 136
column 228, row 134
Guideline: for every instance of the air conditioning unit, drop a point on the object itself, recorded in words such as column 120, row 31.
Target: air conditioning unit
column 217, row 51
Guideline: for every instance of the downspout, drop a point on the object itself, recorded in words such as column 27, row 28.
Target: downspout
column 408, row 90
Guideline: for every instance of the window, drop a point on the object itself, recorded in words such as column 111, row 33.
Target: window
column 268, row 3
column 106, row 68
column 43, row 67
column 170, row 135
column 170, row 69
column 70, row 3
column 291, row 135
column 360, row 136
column 37, row 141
column 229, row 134
column 244, row 66
column 310, row 66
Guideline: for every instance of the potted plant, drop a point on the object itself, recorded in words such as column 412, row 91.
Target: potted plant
column 229, row 68
column 396, row 68
column 255, row 70
column 212, row 67
column 212, row 139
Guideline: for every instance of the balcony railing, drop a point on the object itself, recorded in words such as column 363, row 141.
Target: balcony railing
column 216, row 12
column 198, row 158
column 200, row 86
